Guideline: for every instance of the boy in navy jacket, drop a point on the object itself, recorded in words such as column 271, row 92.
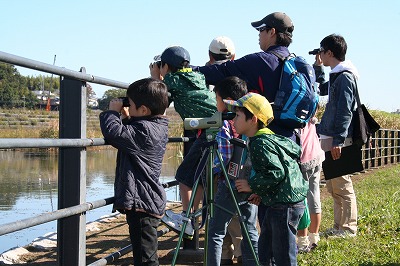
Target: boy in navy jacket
column 140, row 136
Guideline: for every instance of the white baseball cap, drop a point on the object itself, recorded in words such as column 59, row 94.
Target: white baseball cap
column 222, row 45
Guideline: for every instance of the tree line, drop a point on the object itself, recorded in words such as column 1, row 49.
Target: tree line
column 16, row 90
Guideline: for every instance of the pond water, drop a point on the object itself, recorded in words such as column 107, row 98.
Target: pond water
column 28, row 187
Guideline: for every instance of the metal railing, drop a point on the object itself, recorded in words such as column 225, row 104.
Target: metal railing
column 383, row 149
column 72, row 144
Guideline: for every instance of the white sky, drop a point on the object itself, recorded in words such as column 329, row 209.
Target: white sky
column 118, row 39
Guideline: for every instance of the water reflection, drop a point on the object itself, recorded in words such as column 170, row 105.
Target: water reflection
column 29, row 180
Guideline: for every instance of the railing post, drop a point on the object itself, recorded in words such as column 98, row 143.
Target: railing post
column 386, row 151
column 380, row 149
column 71, row 239
column 398, row 147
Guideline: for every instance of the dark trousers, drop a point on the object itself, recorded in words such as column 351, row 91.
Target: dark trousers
column 143, row 234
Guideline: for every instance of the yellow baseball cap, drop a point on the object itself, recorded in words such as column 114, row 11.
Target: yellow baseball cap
column 257, row 104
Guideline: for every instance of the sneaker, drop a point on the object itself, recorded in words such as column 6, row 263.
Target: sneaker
column 303, row 249
column 344, row 234
column 177, row 224
column 314, row 239
column 175, row 216
column 331, row 231
column 313, row 246
column 303, row 244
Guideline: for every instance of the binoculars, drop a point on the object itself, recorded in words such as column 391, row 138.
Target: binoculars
column 125, row 101
column 315, row 51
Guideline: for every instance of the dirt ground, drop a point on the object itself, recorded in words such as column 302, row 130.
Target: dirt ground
column 113, row 236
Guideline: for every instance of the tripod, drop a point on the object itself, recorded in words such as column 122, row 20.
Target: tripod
column 206, row 161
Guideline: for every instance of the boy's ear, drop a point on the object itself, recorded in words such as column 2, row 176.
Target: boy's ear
column 254, row 119
column 144, row 110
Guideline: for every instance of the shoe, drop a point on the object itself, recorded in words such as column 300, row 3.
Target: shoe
column 330, row 231
column 226, row 262
column 177, row 224
column 175, row 216
column 344, row 234
column 314, row 239
column 313, row 246
column 303, row 244
column 303, row 249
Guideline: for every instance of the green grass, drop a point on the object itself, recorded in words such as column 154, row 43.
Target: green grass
column 378, row 238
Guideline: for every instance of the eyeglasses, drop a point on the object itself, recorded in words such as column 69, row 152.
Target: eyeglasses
column 263, row 29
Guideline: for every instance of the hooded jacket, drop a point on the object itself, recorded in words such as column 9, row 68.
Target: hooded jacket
column 141, row 145
column 190, row 94
column 341, row 88
column 277, row 177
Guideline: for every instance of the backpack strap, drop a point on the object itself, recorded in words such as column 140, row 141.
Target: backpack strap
column 357, row 96
column 280, row 57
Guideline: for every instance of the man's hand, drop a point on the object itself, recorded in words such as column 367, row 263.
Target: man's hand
column 318, row 60
column 336, row 152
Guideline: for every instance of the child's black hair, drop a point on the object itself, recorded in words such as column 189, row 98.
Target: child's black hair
column 151, row 93
column 249, row 115
column 231, row 87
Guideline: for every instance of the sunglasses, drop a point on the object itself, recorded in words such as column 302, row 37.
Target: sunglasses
column 263, row 29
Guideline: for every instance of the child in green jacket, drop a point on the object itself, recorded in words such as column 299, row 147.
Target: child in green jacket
column 277, row 180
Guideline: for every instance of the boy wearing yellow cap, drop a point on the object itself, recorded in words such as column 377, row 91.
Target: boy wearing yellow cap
column 276, row 179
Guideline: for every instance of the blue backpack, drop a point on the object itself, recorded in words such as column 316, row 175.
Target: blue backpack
column 297, row 97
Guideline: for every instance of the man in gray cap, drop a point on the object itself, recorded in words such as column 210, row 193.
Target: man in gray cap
column 260, row 70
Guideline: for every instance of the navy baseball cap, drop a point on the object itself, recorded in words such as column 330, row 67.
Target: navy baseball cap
column 174, row 56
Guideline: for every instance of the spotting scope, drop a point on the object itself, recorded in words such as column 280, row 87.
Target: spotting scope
column 216, row 120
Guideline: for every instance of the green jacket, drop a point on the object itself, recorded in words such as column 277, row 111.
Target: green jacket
column 191, row 96
column 277, row 177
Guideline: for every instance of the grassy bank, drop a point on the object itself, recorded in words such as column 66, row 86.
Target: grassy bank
column 378, row 238
column 22, row 123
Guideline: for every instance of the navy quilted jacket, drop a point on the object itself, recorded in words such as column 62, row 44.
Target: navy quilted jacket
column 261, row 71
column 141, row 145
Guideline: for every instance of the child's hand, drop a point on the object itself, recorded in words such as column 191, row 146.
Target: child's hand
column 115, row 105
column 242, row 185
column 254, row 199
column 124, row 112
column 155, row 72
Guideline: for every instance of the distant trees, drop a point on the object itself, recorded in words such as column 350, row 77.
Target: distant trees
column 16, row 90
column 13, row 89
column 110, row 94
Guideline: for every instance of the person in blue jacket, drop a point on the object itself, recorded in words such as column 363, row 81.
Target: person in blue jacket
column 260, row 70
column 141, row 136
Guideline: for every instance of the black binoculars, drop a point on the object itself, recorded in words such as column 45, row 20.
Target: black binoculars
column 125, row 101
column 315, row 51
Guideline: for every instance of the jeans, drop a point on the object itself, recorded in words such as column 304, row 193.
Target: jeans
column 218, row 227
column 277, row 242
column 143, row 234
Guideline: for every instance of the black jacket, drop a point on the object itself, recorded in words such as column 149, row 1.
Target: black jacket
column 141, row 145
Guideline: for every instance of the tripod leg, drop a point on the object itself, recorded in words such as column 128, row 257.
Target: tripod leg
column 178, row 246
column 244, row 228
